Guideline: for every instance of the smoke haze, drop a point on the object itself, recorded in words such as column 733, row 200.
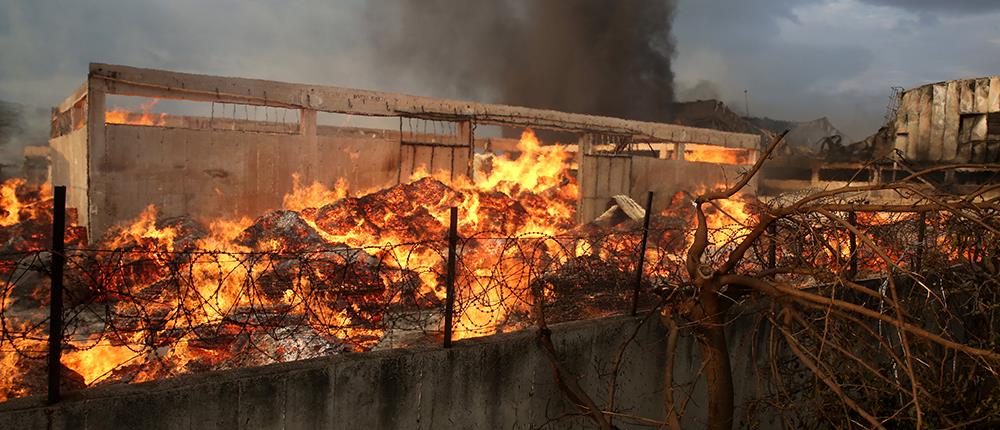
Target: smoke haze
column 799, row 59
column 587, row 56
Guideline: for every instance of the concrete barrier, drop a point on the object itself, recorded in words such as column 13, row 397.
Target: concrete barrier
column 496, row 382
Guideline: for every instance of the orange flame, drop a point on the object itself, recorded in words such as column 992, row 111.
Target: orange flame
column 716, row 154
column 122, row 116
column 96, row 362
column 314, row 196
column 15, row 210
column 531, row 196
column 9, row 203
column 144, row 231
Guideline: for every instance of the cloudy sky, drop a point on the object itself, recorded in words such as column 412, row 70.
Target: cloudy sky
column 799, row 59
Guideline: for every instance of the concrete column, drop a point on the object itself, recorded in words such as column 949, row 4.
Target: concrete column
column 465, row 135
column 95, row 150
column 583, row 147
column 307, row 129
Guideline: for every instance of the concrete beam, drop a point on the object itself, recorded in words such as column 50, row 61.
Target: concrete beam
column 73, row 98
column 135, row 81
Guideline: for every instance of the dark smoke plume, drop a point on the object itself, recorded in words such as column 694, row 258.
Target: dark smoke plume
column 602, row 57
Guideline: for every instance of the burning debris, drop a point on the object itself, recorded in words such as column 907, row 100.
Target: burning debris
column 26, row 218
column 330, row 272
column 623, row 209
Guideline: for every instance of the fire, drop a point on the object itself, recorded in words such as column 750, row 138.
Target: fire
column 9, row 376
column 537, row 169
column 716, row 154
column 96, row 362
column 144, row 231
column 13, row 379
column 123, row 116
column 335, row 268
column 9, row 204
column 313, row 196
column 195, row 294
column 543, row 191
column 29, row 206
column 729, row 220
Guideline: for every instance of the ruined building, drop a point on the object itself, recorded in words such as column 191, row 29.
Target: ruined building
column 226, row 164
column 950, row 122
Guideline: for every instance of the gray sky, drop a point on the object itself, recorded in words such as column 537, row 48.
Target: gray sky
column 799, row 59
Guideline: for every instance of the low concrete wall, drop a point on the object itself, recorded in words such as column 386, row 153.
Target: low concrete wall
column 490, row 383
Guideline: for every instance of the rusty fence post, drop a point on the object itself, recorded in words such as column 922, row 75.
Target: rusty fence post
column 449, row 307
column 57, row 263
column 921, row 238
column 772, row 245
column 852, row 218
column 642, row 253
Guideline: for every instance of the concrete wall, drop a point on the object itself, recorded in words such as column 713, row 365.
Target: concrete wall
column 186, row 169
column 489, row 383
column 667, row 177
column 453, row 159
column 214, row 173
column 211, row 172
column 68, row 156
column 599, row 178
column 603, row 176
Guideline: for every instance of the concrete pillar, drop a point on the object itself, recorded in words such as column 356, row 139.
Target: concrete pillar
column 465, row 136
column 307, row 129
column 95, row 148
column 583, row 147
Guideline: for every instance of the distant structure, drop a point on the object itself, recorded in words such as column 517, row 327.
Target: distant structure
column 36, row 164
column 950, row 122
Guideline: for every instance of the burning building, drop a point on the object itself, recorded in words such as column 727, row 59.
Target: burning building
column 116, row 165
column 219, row 242
column 228, row 240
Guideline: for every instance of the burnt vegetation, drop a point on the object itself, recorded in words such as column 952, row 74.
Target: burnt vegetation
column 873, row 315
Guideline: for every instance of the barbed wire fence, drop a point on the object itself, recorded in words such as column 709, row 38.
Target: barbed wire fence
column 143, row 313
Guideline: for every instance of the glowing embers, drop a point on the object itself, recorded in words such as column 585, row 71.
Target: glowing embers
column 26, row 217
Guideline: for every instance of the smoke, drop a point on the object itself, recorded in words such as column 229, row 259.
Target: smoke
column 20, row 126
column 587, row 56
column 702, row 90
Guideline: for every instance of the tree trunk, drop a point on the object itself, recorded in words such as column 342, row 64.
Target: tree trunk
column 711, row 337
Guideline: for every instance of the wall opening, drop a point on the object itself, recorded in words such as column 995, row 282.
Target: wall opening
column 197, row 115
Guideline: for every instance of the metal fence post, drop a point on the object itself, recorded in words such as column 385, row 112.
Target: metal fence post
column 921, row 238
column 57, row 262
column 642, row 253
column 772, row 245
column 852, row 218
column 449, row 307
